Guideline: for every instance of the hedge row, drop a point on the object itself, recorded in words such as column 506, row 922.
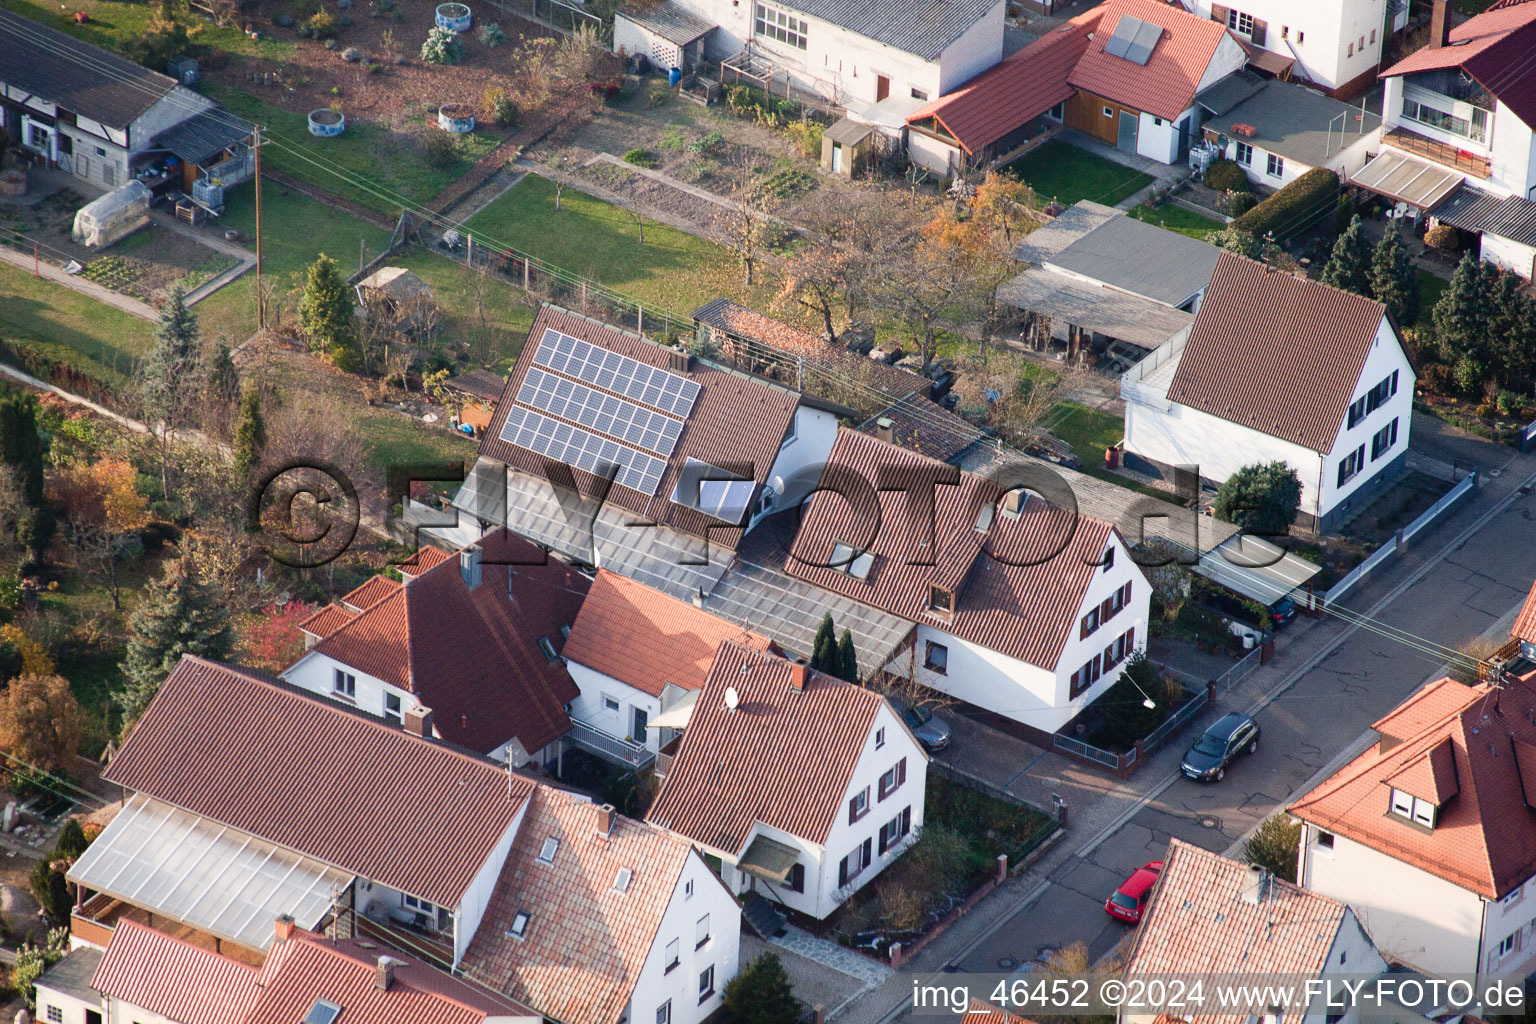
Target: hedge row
column 1295, row 207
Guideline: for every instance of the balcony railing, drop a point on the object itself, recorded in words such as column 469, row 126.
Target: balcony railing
column 611, row 748
column 1440, row 152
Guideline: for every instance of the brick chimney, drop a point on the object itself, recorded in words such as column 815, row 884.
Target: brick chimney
column 285, row 928
column 885, row 429
column 384, row 973
column 1439, row 24
column 605, row 814
column 418, row 721
column 797, row 673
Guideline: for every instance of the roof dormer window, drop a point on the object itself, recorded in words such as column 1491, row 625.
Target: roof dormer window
column 1415, row 809
column 941, row 600
column 855, row 564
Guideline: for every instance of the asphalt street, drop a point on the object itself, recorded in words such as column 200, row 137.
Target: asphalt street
column 1318, row 719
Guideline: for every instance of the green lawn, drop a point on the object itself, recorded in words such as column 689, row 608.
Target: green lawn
column 671, row 270
column 1067, row 174
column 113, row 25
column 508, row 316
column 391, row 162
column 1431, row 287
column 97, row 339
column 1087, row 430
column 1177, row 218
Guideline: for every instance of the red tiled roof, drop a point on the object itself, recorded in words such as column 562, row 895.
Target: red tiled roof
column 473, row 656
column 979, row 1012
column 1023, row 610
column 371, row 592
column 586, row 943
column 1019, row 88
column 424, row 559
column 1525, row 624
column 325, row 621
column 307, row 967
column 1276, row 353
column 927, row 428
column 783, row 757
column 1165, row 86
column 1199, row 923
column 647, row 639
column 175, row 979
column 1496, row 48
column 305, row 773
column 736, row 420
column 1484, row 838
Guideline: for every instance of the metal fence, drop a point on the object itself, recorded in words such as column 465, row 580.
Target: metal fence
column 1390, row 549
column 1241, row 670
column 1176, row 721
column 1439, row 508
column 1108, row 758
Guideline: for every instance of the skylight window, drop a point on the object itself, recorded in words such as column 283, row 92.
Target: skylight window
column 622, row 879
column 323, row 1012
column 519, row 928
column 551, row 847
column 715, row 492
column 856, row 565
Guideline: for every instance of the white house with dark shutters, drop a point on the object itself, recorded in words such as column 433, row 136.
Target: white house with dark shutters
column 1334, row 45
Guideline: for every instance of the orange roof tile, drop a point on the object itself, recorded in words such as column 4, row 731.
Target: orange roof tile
column 1494, row 48
column 1525, row 624
column 1200, row 923
column 1276, row 353
column 423, row 560
column 473, row 656
column 1165, row 86
column 1475, row 747
column 647, row 639
column 325, row 621
column 979, row 1012
column 371, row 592
column 175, row 979
column 585, row 942
column 310, row 775
column 783, row 757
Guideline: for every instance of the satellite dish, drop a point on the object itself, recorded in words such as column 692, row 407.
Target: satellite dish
column 732, row 698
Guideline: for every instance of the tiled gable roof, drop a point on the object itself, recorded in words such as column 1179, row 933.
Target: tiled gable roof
column 370, row 593
column 979, row 1012
column 783, row 757
column 736, row 420
column 422, row 560
column 1165, row 85
column 175, row 979
column 472, row 655
column 586, row 942
column 647, row 639
column 1200, row 922
column 1023, row 610
column 305, row 773
column 1495, row 48
column 1525, row 623
column 1474, row 747
column 928, row 429
column 1278, row 354
column 327, row 620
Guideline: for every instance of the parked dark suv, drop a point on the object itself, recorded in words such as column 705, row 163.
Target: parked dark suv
column 1219, row 746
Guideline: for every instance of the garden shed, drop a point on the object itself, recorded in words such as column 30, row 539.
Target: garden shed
column 115, row 215
column 847, row 147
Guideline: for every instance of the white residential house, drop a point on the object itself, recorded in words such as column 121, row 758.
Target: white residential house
column 1277, row 131
column 1428, row 834
column 1334, row 46
column 855, row 53
column 1214, row 917
column 466, row 649
column 599, row 918
column 1277, row 368
column 1018, row 607
column 1459, row 146
column 805, row 787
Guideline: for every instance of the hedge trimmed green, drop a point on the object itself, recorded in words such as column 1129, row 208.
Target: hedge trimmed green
column 1295, row 207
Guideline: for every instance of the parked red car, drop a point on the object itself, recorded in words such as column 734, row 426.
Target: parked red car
column 1128, row 901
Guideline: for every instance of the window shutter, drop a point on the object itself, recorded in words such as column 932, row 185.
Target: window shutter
column 1130, row 639
column 1105, row 609
column 901, row 771
column 1085, row 628
column 1127, row 591
column 868, row 846
column 1220, row 13
column 1258, row 31
column 853, row 811
column 906, row 820
column 882, row 842
column 842, row 872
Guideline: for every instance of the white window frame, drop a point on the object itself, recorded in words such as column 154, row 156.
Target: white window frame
column 421, row 906
column 55, row 1014
column 941, row 665
column 344, row 683
column 706, row 983
column 1243, row 154
column 701, row 934
column 1504, row 948
column 769, row 22
column 664, row 1013
column 393, row 708
column 611, row 704
column 548, row 850
column 518, row 929
column 674, row 955
column 1275, row 165
column 880, row 737
column 1240, row 23
column 859, row 805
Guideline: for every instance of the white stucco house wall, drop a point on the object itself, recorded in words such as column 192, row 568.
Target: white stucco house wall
column 1287, row 129
column 1336, row 47
column 1193, row 402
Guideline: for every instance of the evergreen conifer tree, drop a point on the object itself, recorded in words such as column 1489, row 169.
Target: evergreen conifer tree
column 1349, row 267
column 1394, row 281
column 179, row 615
column 250, row 431
column 848, row 658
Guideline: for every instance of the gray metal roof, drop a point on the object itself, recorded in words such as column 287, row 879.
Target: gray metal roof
column 204, row 136
column 72, row 975
column 1472, row 209
column 671, row 21
column 1118, row 314
column 1297, row 123
column 1073, row 223
column 923, row 27
column 1230, row 91
column 77, row 76
column 848, row 131
column 1142, row 259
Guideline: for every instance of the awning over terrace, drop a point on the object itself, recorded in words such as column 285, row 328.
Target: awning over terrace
column 1415, row 182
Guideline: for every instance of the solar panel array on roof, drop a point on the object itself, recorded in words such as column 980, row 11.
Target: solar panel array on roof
column 1125, row 31
column 620, row 374
column 586, row 451
column 602, row 413
column 1146, row 38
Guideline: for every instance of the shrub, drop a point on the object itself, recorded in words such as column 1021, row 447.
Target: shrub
column 1295, row 207
column 499, row 107
column 352, row 55
column 659, row 98
column 322, row 24
column 712, row 144
column 72, row 841
column 1509, row 402
column 441, row 47
column 491, row 34
column 641, row 158
column 806, row 136
column 1226, row 176
column 1469, row 376
column 1260, row 498
column 761, row 993
column 1241, row 203
column 331, row 44
column 439, row 149
column 1443, row 236
column 1273, row 846
column 1437, row 379
column 52, row 891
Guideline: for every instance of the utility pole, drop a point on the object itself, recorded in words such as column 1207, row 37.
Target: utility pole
column 261, row 303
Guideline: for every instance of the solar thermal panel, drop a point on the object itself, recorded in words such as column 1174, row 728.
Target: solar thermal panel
column 582, row 449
